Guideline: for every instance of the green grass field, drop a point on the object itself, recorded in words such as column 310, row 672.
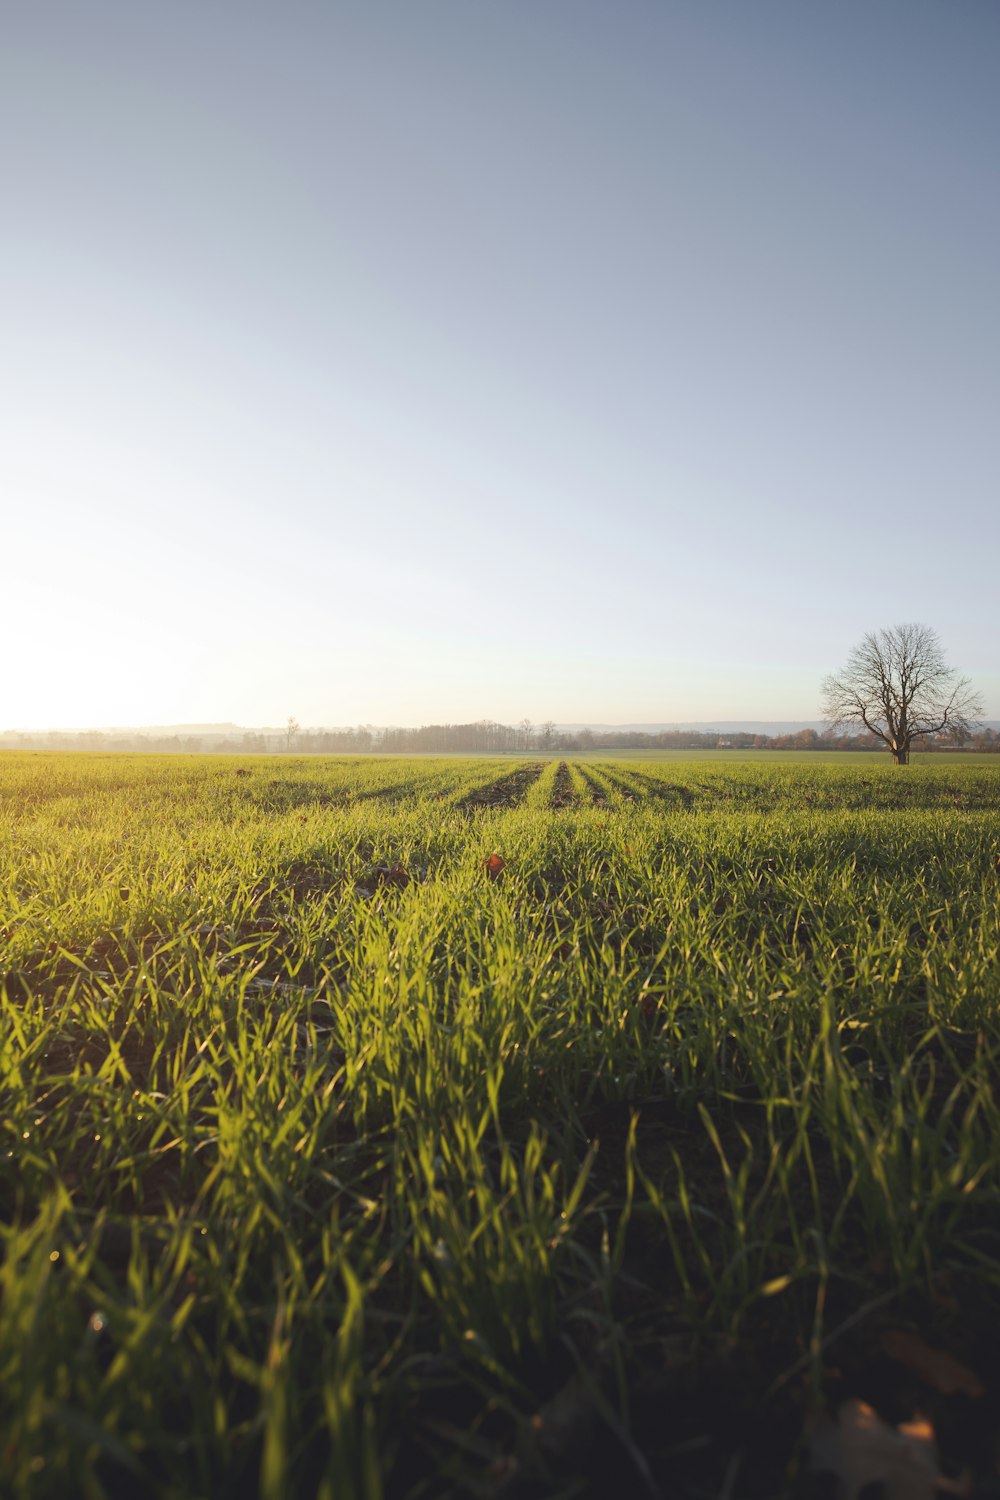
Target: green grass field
column 416, row 1128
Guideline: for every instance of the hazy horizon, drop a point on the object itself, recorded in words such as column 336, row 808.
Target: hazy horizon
column 770, row 727
column 397, row 364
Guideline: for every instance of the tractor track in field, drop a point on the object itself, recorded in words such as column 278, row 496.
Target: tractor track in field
column 564, row 793
column 662, row 791
column 598, row 793
column 506, row 792
column 402, row 789
column 620, row 786
column 640, row 786
column 303, row 796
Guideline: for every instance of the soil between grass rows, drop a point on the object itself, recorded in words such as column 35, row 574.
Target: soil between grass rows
column 508, row 791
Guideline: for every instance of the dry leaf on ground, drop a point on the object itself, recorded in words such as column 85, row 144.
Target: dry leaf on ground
column 860, row 1449
column 935, row 1367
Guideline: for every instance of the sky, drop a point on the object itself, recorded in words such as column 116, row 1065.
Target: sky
column 586, row 360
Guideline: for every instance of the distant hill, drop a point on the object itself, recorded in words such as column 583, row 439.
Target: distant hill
column 701, row 726
column 770, row 727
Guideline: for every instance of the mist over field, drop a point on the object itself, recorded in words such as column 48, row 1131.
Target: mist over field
column 488, row 737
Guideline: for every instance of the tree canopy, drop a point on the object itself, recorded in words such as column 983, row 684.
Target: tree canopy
column 897, row 685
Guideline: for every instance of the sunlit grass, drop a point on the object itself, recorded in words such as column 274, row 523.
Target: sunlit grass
column 327, row 1159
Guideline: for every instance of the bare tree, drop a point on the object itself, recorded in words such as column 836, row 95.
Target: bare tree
column 897, row 685
column 291, row 730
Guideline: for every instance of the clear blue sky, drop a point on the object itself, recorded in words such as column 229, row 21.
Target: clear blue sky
column 443, row 359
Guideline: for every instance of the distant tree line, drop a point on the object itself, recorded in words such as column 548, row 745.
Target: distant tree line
column 802, row 739
column 484, row 737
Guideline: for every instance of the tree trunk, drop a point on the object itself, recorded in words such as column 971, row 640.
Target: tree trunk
column 901, row 755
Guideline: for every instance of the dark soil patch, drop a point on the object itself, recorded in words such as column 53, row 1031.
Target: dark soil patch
column 299, row 881
column 394, row 876
column 598, row 796
column 507, row 792
column 640, row 1398
column 563, row 793
column 664, row 791
column 622, row 786
column 395, row 793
